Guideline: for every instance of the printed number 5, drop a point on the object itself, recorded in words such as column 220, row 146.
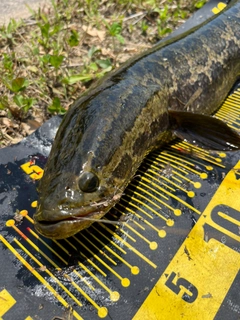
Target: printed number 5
column 181, row 282
column 34, row 171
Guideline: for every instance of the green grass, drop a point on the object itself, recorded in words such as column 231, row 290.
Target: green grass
column 49, row 60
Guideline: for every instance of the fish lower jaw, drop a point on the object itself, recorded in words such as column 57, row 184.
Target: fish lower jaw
column 66, row 228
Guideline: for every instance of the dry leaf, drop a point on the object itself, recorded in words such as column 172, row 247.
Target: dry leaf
column 7, row 122
column 94, row 32
column 30, row 126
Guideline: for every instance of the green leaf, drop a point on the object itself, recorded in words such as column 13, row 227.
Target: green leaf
column 4, row 102
column 56, row 107
column 78, row 77
column 24, row 103
column 73, row 40
column 56, row 60
column 114, row 29
column 120, row 38
column 93, row 66
column 92, row 51
column 104, row 64
column 200, row 4
column 18, row 84
column 45, row 30
column 45, row 59
column 19, row 100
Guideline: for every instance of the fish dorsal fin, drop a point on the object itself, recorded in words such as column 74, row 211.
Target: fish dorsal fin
column 205, row 131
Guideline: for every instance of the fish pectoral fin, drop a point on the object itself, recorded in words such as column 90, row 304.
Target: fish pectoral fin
column 205, row 131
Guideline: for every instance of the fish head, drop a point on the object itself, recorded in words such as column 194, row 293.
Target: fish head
column 83, row 177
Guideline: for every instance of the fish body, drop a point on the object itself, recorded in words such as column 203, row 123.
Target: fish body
column 109, row 130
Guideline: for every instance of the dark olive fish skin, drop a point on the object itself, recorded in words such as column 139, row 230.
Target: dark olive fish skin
column 108, row 131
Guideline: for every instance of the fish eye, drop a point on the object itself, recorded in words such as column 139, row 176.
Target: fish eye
column 88, row 182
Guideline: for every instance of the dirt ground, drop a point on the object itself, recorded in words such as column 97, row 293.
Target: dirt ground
column 18, row 9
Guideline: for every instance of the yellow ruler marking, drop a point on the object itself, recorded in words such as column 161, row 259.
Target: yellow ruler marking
column 230, row 111
column 199, row 151
column 152, row 189
column 230, row 105
column 145, row 198
column 159, row 161
column 48, row 272
column 39, row 277
column 187, row 288
column 129, row 246
column 183, row 163
column 58, row 268
column 225, row 116
column 99, row 250
column 67, row 252
column 46, row 245
column 6, row 301
column 172, row 196
column 209, row 158
column 138, row 216
column 124, row 281
column 63, row 260
column 127, row 218
column 152, row 244
column 117, row 228
column 113, row 253
column 192, row 149
column 110, row 240
column 29, row 219
column 137, row 206
column 111, row 293
column 181, row 156
column 85, row 257
column 176, row 173
column 160, row 176
column 177, row 186
column 201, row 155
column 228, row 218
column 93, row 264
column 32, row 244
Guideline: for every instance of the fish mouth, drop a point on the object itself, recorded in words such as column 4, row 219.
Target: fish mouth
column 62, row 224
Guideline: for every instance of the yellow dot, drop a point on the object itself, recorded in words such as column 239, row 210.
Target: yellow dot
column 191, row 194
column 170, row 222
column 114, row 296
column 135, row 270
column 222, row 155
column 203, row 175
column 209, row 168
column 102, row 312
column 125, row 282
column 34, row 204
column 153, row 245
column 177, row 212
column 24, row 213
column 162, row 233
column 10, row 223
column 218, row 160
column 197, row 185
column 215, row 10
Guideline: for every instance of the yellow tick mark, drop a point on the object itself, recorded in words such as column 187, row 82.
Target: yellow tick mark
column 162, row 233
column 220, row 7
column 34, row 204
column 170, row 222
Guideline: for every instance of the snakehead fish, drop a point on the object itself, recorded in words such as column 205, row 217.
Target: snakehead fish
column 168, row 90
